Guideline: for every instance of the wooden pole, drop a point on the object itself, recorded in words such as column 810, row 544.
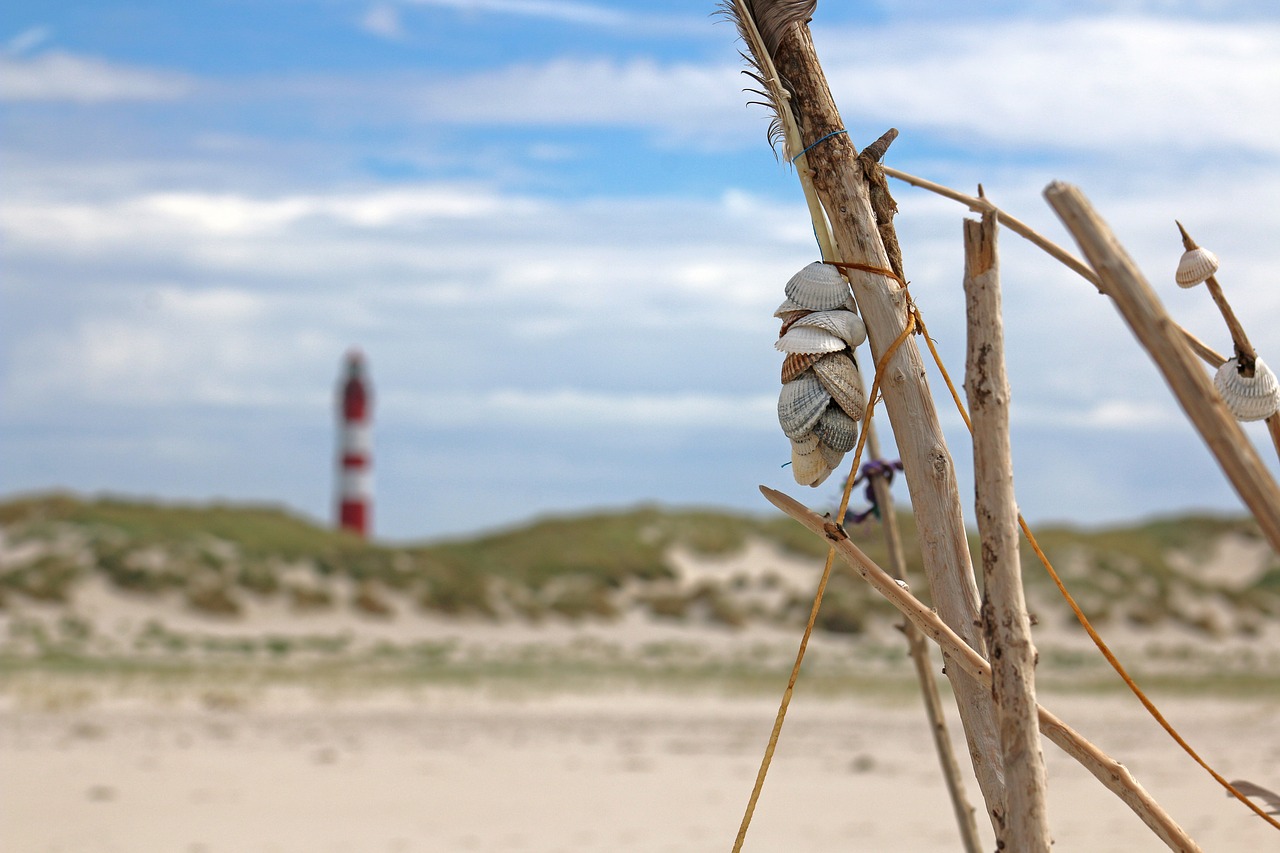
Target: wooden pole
column 918, row 647
column 1112, row 774
column 1141, row 309
column 1005, row 624
column 842, row 181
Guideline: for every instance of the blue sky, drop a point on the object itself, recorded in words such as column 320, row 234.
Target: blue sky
column 558, row 232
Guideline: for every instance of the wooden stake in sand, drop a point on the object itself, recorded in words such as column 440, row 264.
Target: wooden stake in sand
column 1024, row 826
column 1114, row 775
column 1141, row 309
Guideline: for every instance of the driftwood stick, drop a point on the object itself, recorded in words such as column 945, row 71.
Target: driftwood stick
column 842, row 185
column 1246, row 356
column 1109, row 772
column 1151, row 324
column 1005, row 624
column 918, row 647
column 1017, row 226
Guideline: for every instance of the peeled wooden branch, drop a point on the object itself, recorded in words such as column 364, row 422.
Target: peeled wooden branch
column 1025, row 825
column 1154, row 329
column 842, row 182
column 1113, row 775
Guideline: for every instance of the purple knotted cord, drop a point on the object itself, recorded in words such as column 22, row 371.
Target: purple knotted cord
column 872, row 468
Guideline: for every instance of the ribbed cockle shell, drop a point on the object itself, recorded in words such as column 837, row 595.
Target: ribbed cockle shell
column 789, row 307
column 839, row 374
column 808, row 339
column 830, row 455
column 1250, row 398
column 1196, row 266
column 808, row 465
column 800, row 404
column 836, row 429
column 818, row 287
column 845, row 325
column 798, row 362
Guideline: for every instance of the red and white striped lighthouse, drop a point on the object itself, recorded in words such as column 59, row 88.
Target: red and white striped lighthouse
column 355, row 462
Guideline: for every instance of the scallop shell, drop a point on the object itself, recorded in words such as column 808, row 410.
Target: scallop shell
column 809, row 469
column 798, row 362
column 800, row 404
column 839, row 375
column 1196, row 266
column 1250, row 398
column 818, row 287
column 845, row 325
column 836, row 429
column 808, row 339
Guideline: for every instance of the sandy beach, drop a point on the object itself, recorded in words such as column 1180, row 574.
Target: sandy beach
column 293, row 770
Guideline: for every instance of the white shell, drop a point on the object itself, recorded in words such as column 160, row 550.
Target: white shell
column 836, row 429
column 1250, row 398
column 809, row 469
column 839, row 375
column 818, row 287
column 1196, row 266
column 845, row 325
column 830, row 455
column 800, row 404
column 805, row 444
column 808, row 339
column 788, row 307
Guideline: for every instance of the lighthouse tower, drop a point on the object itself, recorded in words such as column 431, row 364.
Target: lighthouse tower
column 355, row 476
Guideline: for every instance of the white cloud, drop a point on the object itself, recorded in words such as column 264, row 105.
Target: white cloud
column 58, row 76
column 1089, row 84
column 27, row 40
column 1078, row 85
column 383, row 19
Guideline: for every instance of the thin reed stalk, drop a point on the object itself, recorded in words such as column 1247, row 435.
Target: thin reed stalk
column 983, row 205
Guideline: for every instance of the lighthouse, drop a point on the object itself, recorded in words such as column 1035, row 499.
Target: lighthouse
column 355, row 475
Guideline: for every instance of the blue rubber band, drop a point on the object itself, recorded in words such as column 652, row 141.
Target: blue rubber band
column 815, row 142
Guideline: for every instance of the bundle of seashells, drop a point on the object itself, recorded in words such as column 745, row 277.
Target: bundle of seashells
column 822, row 397
column 1250, row 396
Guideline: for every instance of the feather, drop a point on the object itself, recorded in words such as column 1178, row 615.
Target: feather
column 761, row 24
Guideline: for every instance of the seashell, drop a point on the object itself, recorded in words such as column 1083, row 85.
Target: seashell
column 805, row 444
column 789, row 319
column 845, row 325
column 789, row 307
column 830, row 455
column 798, row 362
column 836, row 429
column 839, row 375
column 809, row 469
column 1250, row 398
column 1196, row 266
column 800, row 405
column 808, row 339
column 818, row 287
